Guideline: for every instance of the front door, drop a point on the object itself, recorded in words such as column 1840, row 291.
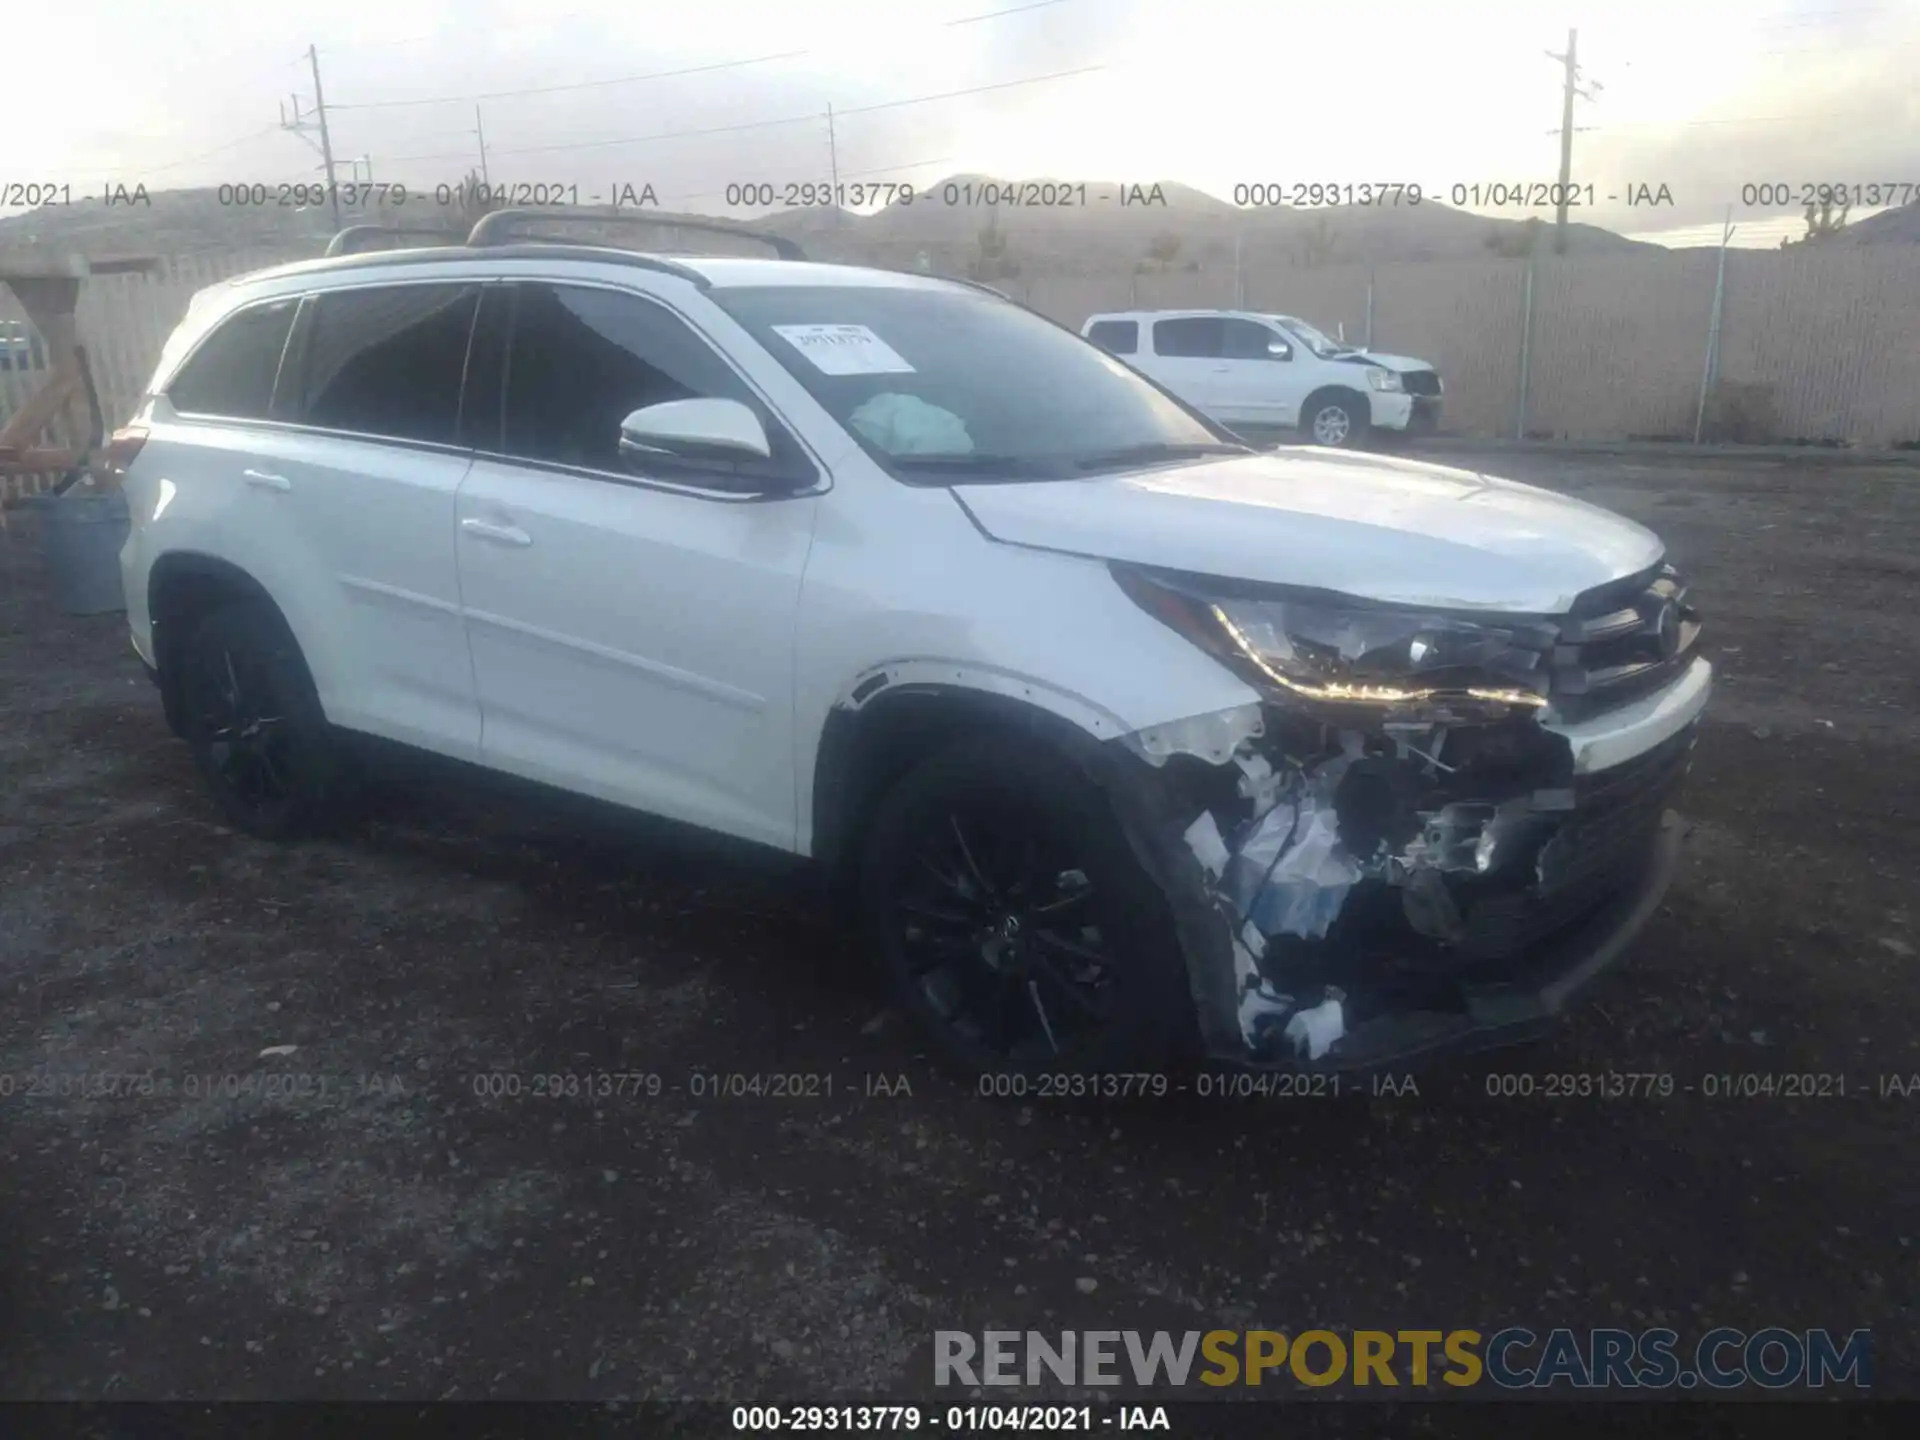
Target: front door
column 1257, row 386
column 631, row 632
column 1189, row 358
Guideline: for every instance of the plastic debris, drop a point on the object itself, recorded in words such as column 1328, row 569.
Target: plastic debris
column 1313, row 1032
column 1203, row 838
column 1291, row 875
column 273, row 1050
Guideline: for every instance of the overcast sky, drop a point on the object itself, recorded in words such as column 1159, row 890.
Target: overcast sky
column 1703, row 96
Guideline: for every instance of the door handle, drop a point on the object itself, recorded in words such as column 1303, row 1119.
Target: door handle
column 502, row 534
column 266, row 481
column 1223, row 369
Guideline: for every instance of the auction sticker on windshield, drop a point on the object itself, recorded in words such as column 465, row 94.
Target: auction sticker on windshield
column 844, row 349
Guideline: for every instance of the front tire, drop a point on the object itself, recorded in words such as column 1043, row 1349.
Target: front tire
column 253, row 721
column 1010, row 919
column 1337, row 419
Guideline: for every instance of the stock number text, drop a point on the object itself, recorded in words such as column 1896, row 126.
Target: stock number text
column 1813, row 192
column 1311, row 193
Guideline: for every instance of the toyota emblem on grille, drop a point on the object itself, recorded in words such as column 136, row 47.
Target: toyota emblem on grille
column 1666, row 630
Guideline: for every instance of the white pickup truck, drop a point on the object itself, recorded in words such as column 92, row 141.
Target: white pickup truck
column 1273, row 372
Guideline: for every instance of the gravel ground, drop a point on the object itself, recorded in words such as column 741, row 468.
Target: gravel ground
column 357, row 1219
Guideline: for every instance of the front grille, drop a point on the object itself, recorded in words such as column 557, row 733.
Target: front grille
column 1597, row 851
column 1622, row 644
column 1420, row 382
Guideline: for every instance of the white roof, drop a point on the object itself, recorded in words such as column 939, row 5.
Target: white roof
column 732, row 272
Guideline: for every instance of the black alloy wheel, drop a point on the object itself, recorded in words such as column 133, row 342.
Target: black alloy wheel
column 1012, row 921
column 254, row 723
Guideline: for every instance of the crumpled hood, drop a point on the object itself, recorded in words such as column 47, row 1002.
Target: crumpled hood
column 1398, row 363
column 1369, row 526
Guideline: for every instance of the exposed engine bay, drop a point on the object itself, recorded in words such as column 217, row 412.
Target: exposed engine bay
column 1356, row 876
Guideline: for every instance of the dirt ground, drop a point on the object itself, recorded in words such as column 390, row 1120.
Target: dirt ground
column 372, row 1224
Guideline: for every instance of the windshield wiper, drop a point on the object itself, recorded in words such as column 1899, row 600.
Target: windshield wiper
column 1158, row 450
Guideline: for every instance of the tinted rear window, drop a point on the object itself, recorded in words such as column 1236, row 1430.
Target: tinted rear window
column 388, row 361
column 1116, row 337
column 232, row 372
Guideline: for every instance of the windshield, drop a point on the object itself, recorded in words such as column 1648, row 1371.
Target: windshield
column 941, row 384
column 1319, row 344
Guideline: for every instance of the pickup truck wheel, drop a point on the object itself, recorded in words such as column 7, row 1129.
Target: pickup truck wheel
column 1335, row 418
column 1010, row 919
column 254, row 723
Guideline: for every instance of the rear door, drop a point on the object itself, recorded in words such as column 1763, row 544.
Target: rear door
column 345, row 507
column 631, row 626
column 1189, row 358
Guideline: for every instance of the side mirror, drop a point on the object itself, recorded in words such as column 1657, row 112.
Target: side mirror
column 695, row 430
column 1279, row 350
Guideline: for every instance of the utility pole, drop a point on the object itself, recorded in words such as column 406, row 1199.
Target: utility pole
column 480, row 130
column 1570, row 89
column 833, row 163
column 302, row 125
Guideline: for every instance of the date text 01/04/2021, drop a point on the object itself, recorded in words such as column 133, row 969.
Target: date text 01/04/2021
column 1495, row 195
column 776, row 1419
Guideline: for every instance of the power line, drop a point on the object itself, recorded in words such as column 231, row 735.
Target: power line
column 756, row 124
column 145, row 170
column 576, row 85
column 970, row 90
column 666, row 74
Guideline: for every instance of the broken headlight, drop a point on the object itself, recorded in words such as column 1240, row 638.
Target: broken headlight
column 1352, row 653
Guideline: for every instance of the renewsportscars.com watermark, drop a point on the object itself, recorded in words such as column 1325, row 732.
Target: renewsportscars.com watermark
column 1513, row 1358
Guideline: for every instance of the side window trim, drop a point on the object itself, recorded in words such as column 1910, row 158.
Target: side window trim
column 494, row 292
column 282, row 406
column 823, row 476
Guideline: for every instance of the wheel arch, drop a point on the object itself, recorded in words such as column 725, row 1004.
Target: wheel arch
column 183, row 588
column 893, row 715
column 1331, row 390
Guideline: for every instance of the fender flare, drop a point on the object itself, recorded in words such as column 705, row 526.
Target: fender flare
column 196, row 571
column 893, row 712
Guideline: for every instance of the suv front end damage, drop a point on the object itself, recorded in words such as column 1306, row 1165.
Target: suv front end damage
column 1385, row 859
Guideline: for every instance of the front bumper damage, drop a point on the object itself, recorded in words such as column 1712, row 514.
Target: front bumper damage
column 1350, row 899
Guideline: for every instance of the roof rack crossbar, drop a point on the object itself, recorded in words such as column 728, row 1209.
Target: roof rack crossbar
column 349, row 241
column 493, row 228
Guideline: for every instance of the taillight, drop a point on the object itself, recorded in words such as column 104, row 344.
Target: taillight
column 122, row 447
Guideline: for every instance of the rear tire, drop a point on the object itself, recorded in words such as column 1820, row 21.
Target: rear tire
column 1339, row 419
column 251, row 716
column 1010, row 919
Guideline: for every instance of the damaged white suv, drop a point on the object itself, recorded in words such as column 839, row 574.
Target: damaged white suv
column 1131, row 744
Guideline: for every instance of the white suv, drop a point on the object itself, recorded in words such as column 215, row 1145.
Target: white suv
column 1129, row 743
column 1259, row 372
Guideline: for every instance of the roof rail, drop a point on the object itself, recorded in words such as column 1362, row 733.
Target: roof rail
column 348, row 241
column 494, row 227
